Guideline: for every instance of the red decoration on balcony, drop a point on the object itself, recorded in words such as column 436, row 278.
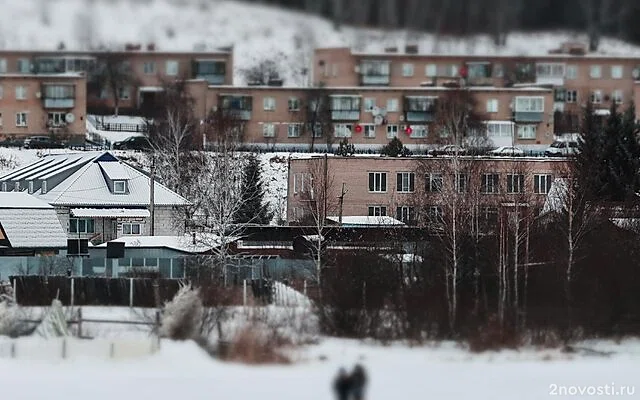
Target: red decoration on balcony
column 463, row 72
column 358, row 128
column 408, row 130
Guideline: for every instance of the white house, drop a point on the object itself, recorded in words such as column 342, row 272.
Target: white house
column 99, row 197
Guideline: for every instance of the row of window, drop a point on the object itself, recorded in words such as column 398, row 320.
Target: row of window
column 434, row 183
column 50, row 92
column 434, row 213
column 54, row 119
column 87, row 225
column 23, row 66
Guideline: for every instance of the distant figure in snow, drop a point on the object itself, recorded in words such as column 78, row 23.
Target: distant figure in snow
column 358, row 382
column 342, row 385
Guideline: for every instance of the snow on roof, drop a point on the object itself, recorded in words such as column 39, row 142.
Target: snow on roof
column 367, row 220
column 119, row 119
column 185, row 243
column 109, row 212
column 114, row 170
column 30, row 223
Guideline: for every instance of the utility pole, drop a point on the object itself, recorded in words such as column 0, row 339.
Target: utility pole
column 341, row 197
column 152, row 185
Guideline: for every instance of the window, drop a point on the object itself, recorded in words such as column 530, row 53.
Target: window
column 293, row 130
column 269, row 103
column 342, row 130
column 515, row 183
column 124, row 93
column 30, row 187
column 0, row 119
column 492, row 105
column 616, row 96
column 1, row 92
column 490, row 183
column 392, row 131
column 171, row 67
column 617, row 71
column 334, row 70
column 21, row 119
column 541, row 184
column 451, row 70
column 431, row 70
column 550, row 70
column 529, row 104
column 595, row 72
column 119, row 186
column 392, row 105
column 268, row 130
column 21, row 92
column 130, row 228
column 303, row 183
column 149, row 67
column 316, row 129
column 572, row 72
column 377, row 182
column 500, row 129
column 369, row 130
column 461, row 183
column 56, row 119
column 498, row 70
column 345, row 103
column 596, row 96
column 490, row 215
column 571, row 96
column 527, row 131
column 433, row 182
column 3, row 65
column 435, row 213
column 405, row 182
column 81, row 225
column 405, row 214
column 24, row 66
column 407, row 69
column 369, row 103
column 294, row 104
column 418, row 131
column 377, row 211
column 43, row 187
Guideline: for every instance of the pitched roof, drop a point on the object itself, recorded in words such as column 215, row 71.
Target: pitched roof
column 366, row 220
column 202, row 243
column 29, row 223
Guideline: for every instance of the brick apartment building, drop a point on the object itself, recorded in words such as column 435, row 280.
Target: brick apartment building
column 43, row 104
column 574, row 75
column 280, row 117
column 406, row 187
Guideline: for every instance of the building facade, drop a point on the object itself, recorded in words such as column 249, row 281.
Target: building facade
column 43, row 104
column 412, row 188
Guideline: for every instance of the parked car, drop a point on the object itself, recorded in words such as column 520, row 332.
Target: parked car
column 133, row 143
column 449, row 150
column 12, row 142
column 562, row 148
column 43, row 142
column 509, row 151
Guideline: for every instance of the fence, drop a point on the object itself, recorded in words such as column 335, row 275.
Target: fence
column 120, row 127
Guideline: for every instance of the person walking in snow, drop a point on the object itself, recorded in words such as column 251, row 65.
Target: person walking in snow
column 342, row 385
column 358, row 382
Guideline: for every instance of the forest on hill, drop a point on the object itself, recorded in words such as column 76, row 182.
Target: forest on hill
column 596, row 18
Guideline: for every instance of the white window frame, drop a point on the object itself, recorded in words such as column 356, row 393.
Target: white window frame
column 596, row 96
column 379, row 182
column 369, row 131
column 419, row 131
column 124, row 93
column 369, row 104
column 571, row 72
column 431, row 70
column 43, row 187
column 595, row 71
column 393, row 105
column 343, row 130
column 3, row 65
column 20, row 63
column 21, row 92
column 571, row 96
column 617, row 71
column 500, row 129
column 407, row 70
column 542, row 183
column 461, row 183
column 392, row 131
column 149, row 67
column 1, row 92
column 407, row 182
column 550, row 70
column 22, row 119
column 56, row 118
column 435, row 213
column 490, row 183
column 527, row 131
column 294, row 104
column 529, row 104
column 268, row 130
column 85, row 221
column 617, row 96
column 492, row 105
column 404, row 213
column 434, row 182
column 128, row 228
column 377, row 211
column 294, row 130
column 171, row 67
column 515, row 183
column 269, row 103
column 119, row 186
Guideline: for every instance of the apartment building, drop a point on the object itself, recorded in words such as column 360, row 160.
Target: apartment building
column 146, row 68
column 369, row 117
column 575, row 76
column 404, row 188
column 43, row 104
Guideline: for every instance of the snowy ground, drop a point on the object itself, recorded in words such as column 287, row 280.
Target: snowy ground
column 436, row 371
column 256, row 31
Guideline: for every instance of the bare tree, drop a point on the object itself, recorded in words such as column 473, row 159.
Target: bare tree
column 457, row 120
column 264, row 71
column 112, row 73
column 317, row 119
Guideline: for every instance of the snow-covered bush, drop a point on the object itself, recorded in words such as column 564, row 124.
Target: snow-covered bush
column 182, row 316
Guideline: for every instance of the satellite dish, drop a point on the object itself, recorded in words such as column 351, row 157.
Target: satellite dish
column 69, row 118
column 378, row 119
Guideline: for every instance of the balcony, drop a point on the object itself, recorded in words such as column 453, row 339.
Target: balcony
column 479, row 74
column 550, row 74
column 528, row 116
column 212, row 71
column 58, row 96
column 237, row 106
column 59, row 103
column 345, row 115
column 375, row 73
column 57, row 65
column 419, row 108
column 345, row 108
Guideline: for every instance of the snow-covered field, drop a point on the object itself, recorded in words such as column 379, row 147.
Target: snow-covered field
column 255, row 31
column 180, row 370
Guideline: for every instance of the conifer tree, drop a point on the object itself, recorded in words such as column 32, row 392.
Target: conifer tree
column 589, row 166
column 626, row 157
column 252, row 208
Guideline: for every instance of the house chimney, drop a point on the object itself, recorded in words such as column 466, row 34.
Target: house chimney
column 391, row 49
column 411, row 49
column 151, row 47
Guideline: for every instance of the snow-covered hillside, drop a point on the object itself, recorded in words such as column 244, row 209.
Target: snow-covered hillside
column 255, row 31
